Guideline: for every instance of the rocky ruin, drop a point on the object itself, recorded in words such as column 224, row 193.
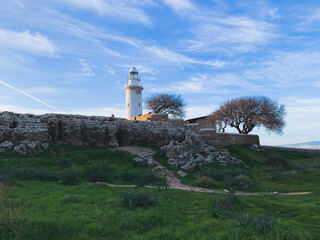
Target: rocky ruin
column 27, row 133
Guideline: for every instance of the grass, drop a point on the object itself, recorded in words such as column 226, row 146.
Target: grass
column 268, row 171
column 52, row 210
column 73, row 165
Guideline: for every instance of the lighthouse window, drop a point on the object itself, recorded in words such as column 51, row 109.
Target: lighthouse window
column 128, row 104
column 139, row 105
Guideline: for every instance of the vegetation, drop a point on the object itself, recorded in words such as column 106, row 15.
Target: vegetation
column 169, row 103
column 246, row 113
column 45, row 209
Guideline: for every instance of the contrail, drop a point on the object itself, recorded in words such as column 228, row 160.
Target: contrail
column 28, row 95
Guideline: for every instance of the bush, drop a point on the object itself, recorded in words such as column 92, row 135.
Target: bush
column 71, row 199
column 70, row 177
column 276, row 160
column 130, row 176
column 241, row 182
column 98, row 172
column 64, row 163
column 281, row 175
column 148, row 176
column 263, row 223
column 131, row 200
column 32, row 174
column 221, row 208
column 205, row 182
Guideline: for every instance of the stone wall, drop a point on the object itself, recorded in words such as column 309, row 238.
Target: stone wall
column 103, row 131
column 232, row 138
column 86, row 131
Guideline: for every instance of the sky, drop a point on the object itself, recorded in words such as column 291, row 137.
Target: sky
column 73, row 56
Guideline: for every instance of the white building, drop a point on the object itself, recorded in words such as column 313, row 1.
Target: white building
column 133, row 94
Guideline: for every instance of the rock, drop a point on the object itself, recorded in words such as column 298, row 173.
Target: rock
column 181, row 173
column 144, row 158
column 30, row 147
column 6, row 146
column 196, row 149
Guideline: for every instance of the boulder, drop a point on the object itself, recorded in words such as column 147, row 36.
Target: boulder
column 6, row 146
column 30, row 147
column 144, row 158
column 196, row 149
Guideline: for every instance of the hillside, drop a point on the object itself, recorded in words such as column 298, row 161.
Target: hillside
column 305, row 145
column 55, row 195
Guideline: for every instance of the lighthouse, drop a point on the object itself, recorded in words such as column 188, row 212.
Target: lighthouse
column 133, row 94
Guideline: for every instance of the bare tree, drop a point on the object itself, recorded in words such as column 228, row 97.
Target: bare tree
column 245, row 113
column 168, row 103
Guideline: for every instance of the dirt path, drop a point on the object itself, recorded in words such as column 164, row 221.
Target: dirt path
column 175, row 182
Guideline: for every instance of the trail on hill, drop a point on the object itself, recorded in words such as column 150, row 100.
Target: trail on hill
column 175, row 183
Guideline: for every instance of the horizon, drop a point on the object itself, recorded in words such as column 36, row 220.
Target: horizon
column 74, row 56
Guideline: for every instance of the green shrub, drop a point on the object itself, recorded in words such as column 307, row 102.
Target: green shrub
column 241, row 182
column 264, row 223
column 221, row 207
column 282, row 175
column 32, row 174
column 129, row 176
column 98, row 172
column 205, row 182
column 131, row 200
column 70, row 177
column 149, row 176
column 71, row 199
column 64, row 163
column 276, row 160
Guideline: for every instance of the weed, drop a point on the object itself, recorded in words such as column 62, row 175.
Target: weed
column 70, row 177
column 129, row 176
column 148, row 176
column 205, row 182
column 264, row 223
column 97, row 172
column 221, row 208
column 131, row 200
column 64, row 163
column 71, row 199
column 281, row 175
column 276, row 160
column 241, row 182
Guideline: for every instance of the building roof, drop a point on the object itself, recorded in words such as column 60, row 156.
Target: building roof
column 197, row 118
column 133, row 70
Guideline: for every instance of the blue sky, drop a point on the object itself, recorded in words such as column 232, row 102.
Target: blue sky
column 73, row 56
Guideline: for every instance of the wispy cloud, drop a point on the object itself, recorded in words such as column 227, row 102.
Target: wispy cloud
column 26, row 41
column 219, row 84
column 180, row 6
column 289, row 69
column 229, row 34
column 111, row 8
column 86, row 69
column 172, row 56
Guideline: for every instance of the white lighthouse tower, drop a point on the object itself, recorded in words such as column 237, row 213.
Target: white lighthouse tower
column 133, row 94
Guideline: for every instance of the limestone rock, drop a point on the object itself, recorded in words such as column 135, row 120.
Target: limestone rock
column 181, row 173
column 6, row 146
column 196, row 149
column 30, row 147
column 144, row 158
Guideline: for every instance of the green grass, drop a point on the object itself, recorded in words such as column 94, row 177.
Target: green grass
column 301, row 174
column 51, row 210
column 115, row 166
